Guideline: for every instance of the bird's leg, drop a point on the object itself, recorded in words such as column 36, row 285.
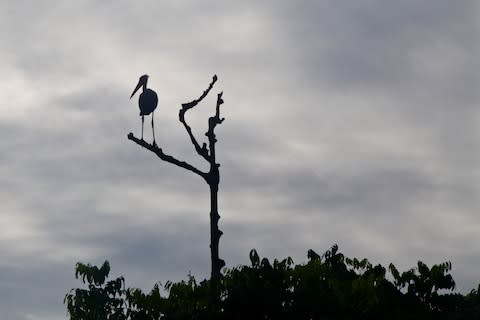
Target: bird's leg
column 142, row 125
column 153, row 131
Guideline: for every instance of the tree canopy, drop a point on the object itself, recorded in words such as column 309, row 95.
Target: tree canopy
column 328, row 286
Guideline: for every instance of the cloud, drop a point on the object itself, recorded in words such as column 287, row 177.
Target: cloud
column 352, row 122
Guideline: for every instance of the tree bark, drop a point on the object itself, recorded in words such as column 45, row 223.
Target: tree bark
column 215, row 232
column 214, row 181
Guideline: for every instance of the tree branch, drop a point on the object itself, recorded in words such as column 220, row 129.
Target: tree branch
column 193, row 103
column 202, row 151
column 165, row 157
column 217, row 113
column 215, row 120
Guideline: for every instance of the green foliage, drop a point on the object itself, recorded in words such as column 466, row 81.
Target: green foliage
column 101, row 300
column 328, row 286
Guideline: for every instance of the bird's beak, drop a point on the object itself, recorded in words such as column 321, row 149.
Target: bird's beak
column 139, row 85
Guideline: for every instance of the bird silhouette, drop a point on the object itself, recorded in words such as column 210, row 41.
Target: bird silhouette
column 147, row 102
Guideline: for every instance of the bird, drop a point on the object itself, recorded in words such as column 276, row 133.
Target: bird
column 147, row 102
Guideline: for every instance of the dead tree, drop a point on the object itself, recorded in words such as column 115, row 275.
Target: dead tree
column 212, row 177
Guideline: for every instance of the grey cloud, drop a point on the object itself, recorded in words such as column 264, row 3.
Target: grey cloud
column 350, row 122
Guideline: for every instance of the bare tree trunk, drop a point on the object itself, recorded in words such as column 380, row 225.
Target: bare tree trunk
column 215, row 233
column 214, row 180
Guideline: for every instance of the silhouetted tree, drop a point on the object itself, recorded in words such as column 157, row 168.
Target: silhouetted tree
column 101, row 300
column 212, row 177
column 328, row 286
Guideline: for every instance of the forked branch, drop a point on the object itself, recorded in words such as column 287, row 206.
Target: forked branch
column 202, row 151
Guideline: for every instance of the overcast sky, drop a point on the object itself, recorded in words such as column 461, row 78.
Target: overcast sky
column 350, row 122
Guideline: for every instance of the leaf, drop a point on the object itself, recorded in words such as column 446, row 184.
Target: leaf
column 254, row 258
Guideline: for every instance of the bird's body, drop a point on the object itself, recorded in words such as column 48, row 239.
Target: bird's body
column 147, row 102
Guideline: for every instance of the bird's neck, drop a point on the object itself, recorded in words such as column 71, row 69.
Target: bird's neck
column 144, row 86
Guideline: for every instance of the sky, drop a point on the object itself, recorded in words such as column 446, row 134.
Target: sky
column 353, row 122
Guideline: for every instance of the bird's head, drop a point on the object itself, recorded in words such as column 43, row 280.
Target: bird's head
column 142, row 82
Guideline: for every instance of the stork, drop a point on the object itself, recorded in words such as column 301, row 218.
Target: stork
column 147, row 102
